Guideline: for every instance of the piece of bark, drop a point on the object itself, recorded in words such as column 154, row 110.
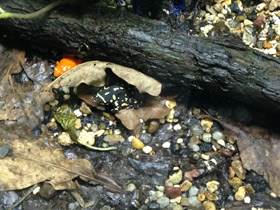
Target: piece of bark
column 218, row 66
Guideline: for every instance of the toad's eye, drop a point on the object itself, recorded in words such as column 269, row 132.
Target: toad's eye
column 64, row 65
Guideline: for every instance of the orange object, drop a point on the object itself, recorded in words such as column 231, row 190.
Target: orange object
column 64, row 65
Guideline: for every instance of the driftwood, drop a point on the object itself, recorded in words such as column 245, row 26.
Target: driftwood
column 221, row 66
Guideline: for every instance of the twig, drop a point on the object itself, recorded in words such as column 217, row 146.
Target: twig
column 23, row 198
column 4, row 14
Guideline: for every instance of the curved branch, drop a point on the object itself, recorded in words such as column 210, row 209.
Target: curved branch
column 4, row 14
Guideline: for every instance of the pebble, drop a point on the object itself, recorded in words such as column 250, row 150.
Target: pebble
column 78, row 123
column 78, row 113
column 201, row 197
column 177, row 207
column 273, row 5
column 169, row 118
column 186, row 185
column 205, row 157
column 177, row 127
column 180, row 141
column 137, row 143
column 247, row 199
column 260, row 7
column 211, row 196
column 126, row 151
column 160, row 188
column 249, row 189
column 226, row 153
column 221, row 142
column 156, row 195
column 273, row 195
column 100, row 133
column 113, row 139
column 47, row 191
column 85, row 109
column 166, row 145
column 146, row 138
column 206, row 137
column 64, row 139
column 208, row 205
column 185, row 201
column 196, row 130
column 130, row 187
column 170, row 104
column 194, row 147
column 194, row 202
column 218, row 135
column 153, row 126
column 94, row 127
column 194, row 140
column 193, row 191
column 176, row 177
column 238, row 169
column 163, row 202
column 154, row 206
column 147, row 149
column 240, row 194
column 207, row 123
column 212, row 186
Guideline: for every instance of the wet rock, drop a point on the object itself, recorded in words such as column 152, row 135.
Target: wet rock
column 153, row 126
column 240, row 194
column 238, row 169
column 166, row 145
column 85, row 109
column 194, row 140
column 47, row 191
column 154, row 206
column 273, row 5
column 163, row 202
column 37, row 131
column 186, row 185
column 211, row 196
column 172, row 192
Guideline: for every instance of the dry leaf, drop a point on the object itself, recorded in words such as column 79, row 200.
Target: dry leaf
column 35, row 162
column 93, row 73
column 154, row 108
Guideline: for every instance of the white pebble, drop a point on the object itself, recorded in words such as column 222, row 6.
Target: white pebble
column 273, row 195
column 78, row 113
column 214, row 161
column 166, row 145
column 162, row 121
column 205, row 157
column 230, row 147
column 180, row 141
column 36, row 190
column 177, row 127
column 147, row 149
column 169, row 127
column 260, row 7
column 88, row 125
column 218, row 135
column 214, row 148
column 130, row 138
column 207, row 137
column 207, row 165
column 221, row 142
column 66, row 97
column 117, row 131
column 247, row 199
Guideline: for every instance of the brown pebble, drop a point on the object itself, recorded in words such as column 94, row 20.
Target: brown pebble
column 259, row 21
column 194, row 140
column 249, row 189
column 195, row 173
column 47, row 191
column 267, row 45
column 187, row 176
column 211, row 196
column 226, row 153
column 153, row 126
column 172, row 192
column 231, row 172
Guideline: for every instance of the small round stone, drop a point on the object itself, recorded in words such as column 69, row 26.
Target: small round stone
column 206, row 137
column 212, row 186
column 240, row 194
column 194, row 202
column 147, row 149
column 193, row 191
column 238, row 169
column 163, row 202
column 180, row 141
column 177, row 127
column 218, row 135
column 137, row 143
column 154, row 206
column 196, row 130
column 78, row 113
column 153, row 126
column 130, row 187
column 194, row 147
column 201, row 197
column 208, row 205
column 211, row 196
column 186, row 185
column 166, row 145
column 205, row 157
column 247, row 199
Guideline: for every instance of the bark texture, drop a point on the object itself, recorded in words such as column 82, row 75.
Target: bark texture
column 222, row 66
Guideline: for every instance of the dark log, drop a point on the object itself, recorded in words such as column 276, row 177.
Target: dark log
column 221, row 66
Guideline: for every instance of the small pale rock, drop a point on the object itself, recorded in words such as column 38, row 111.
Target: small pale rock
column 64, row 139
column 240, row 18
column 260, row 7
column 78, row 123
column 180, row 141
column 248, row 22
column 231, row 172
column 218, row 7
column 240, row 194
column 211, row 196
column 273, row 5
column 170, row 116
column 100, row 133
column 267, row 45
column 206, row 137
column 163, row 202
column 147, row 149
column 86, row 138
column 208, row 205
column 194, row 140
column 205, row 157
column 170, row 104
column 221, row 142
column 166, row 145
column 186, row 185
column 249, row 189
column 130, row 187
column 226, row 2
column 113, row 139
column 78, row 113
column 85, row 109
column 218, row 135
column 177, row 127
column 194, row 147
column 177, row 207
column 193, row 191
column 176, row 177
column 185, row 201
column 172, row 192
column 194, row 202
column 247, row 199
column 271, row 51
column 156, row 195
column 212, row 186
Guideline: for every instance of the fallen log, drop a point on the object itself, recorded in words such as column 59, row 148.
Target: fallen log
column 221, row 66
